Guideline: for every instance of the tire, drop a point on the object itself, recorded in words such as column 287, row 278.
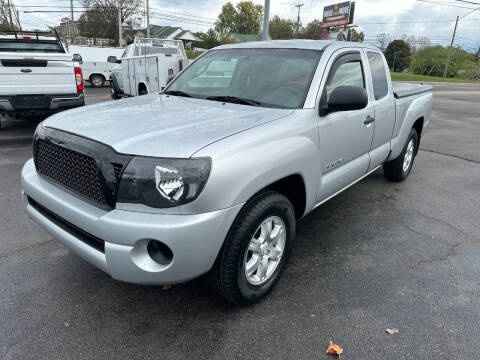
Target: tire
column 395, row 170
column 113, row 92
column 228, row 276
column 97, row 81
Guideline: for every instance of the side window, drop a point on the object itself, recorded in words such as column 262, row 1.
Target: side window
column 346, row 71
column 379, row 76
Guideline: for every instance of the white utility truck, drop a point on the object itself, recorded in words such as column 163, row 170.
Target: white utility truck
column 146, row 66
column 93, row 61
column 37, row 75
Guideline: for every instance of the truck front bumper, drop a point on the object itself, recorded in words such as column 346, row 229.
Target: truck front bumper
column 39, row 104
column 194, row 240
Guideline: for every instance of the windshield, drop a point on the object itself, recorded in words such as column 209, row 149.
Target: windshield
column 30, row 46
column 258, row 77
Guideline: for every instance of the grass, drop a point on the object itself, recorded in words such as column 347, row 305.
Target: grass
column 417, row 78
column 192, row 54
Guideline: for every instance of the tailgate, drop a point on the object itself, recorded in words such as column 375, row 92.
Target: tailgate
column 35, row 73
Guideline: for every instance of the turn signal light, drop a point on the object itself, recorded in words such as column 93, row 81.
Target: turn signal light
column 78, row 78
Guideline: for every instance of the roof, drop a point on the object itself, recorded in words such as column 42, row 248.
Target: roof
column 295, row 44
column 163, row 32
column 246, row 37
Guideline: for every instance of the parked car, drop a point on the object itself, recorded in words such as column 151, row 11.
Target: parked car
column 93, row 61
column 211, row 175
column 146, row 66
column 37, row 75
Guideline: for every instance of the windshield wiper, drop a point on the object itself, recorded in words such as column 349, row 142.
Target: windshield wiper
column 177, row 93
column 234, row 99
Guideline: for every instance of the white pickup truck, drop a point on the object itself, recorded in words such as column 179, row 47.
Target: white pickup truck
column 37, row 75
column 147, row 65
column 212, row 174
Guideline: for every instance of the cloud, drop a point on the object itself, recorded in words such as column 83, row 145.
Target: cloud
column 394, row 17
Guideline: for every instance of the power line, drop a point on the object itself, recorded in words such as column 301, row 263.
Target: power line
column 445, row 4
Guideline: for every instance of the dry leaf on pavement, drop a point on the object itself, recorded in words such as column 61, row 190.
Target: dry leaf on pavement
column 334, row 349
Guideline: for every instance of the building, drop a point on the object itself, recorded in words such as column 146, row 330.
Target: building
column 170, row 33
column 65, row 31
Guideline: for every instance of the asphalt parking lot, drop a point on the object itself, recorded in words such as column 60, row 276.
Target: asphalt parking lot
column 380, row 255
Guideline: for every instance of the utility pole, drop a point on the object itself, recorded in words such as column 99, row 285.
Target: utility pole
column 148, row 20
column 298, row 17
column 450, row 49
column 120, row 40
column 266, row 20
column 73, row 22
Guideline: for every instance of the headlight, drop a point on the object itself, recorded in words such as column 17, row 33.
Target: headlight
column 163, row 183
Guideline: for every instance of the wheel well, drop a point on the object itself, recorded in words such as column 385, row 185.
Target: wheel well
column 418, row 125
column 92, row 75
column 293, row 188
column 142, row 86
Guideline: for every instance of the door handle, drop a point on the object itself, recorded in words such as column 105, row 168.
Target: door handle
column 369, row 120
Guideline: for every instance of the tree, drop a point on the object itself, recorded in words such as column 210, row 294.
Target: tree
column 313, row 30
column 9, row 18
column 431, row 61
column 245, row 18
column 209, row 39
column 357, row 36
column 107, row 10
column 382, row 40
column 416, row 43
column 398, row 54
column 281, row 28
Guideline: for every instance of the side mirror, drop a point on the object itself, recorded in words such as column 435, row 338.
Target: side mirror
column 113, row 59
column 345, row 98
column 78, row 58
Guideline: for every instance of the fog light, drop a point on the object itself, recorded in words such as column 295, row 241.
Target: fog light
column 159, row 252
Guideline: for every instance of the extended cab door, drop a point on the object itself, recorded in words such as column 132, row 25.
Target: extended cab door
column 345, row 136
column 384, row 104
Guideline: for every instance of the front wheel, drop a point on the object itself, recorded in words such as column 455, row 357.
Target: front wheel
column 256, row 249
column 399, row 168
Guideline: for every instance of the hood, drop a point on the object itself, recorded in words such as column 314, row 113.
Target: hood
column 161, row 125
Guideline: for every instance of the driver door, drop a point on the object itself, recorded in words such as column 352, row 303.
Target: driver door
column 345, row 136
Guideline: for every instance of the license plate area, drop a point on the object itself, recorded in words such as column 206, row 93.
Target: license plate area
column 31, row 101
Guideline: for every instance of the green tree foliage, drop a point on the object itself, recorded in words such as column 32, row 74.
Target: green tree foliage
column 398, row 54
column 209, row 39
column 431, row 61
column 357, row 36
column 313, row 30
column 281, row 28
column 245, row 18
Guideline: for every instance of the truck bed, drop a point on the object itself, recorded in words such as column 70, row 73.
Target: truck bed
column 402, row 90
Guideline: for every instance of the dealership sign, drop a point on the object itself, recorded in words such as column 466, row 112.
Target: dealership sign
column 338, row 14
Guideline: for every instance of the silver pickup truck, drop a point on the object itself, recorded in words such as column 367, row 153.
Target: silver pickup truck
column 210, row 176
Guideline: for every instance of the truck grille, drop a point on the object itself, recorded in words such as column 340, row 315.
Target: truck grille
column 75, row 171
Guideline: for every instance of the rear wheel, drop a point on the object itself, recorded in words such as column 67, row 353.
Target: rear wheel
column 399, row 168
column 97, row 81
column 256, row 250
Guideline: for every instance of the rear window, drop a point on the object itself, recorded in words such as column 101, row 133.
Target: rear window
column 30, row 46
column 379, row 76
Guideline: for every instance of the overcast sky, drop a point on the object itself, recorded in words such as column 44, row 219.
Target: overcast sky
column 395, row 17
